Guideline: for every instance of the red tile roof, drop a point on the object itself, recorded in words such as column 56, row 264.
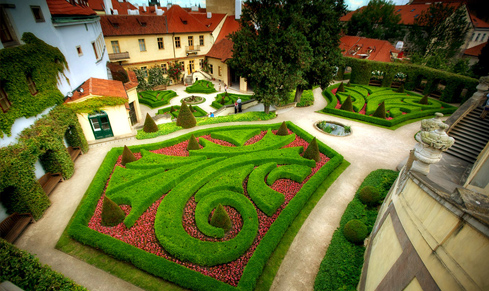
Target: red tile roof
column 381, row 49
column 180, row 21
column 121, row 7
column 475, row 51
column 210, row 23
column 113, row 25
column 99, row 87
column 64, row 8
column 222, row 50
column 230, row 25
column 133, row 80
column 477, row 22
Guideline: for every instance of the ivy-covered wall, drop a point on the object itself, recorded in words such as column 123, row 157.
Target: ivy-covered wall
column 44, row 64
column 362, row 71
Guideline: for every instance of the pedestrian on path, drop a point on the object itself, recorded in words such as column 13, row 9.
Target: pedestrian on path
column 485, row 110
column 239, row 104
column 235, row 107
column 225, row 88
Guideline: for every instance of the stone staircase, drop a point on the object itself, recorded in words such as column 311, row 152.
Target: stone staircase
column 471, row 136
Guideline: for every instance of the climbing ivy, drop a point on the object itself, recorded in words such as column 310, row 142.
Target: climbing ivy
column 43, row 64
column 95, row 104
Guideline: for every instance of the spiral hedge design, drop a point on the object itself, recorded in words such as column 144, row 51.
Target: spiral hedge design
column 169, row 193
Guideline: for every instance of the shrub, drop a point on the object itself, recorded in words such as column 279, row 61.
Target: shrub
column 112, row 214
column 348, row 84
column 220, row 218
column 369, row 195
column 347, row 105
column 355, row 231
column 149, row 124
column 193, row 144
column 312, row 151
column 127, row 156
column 380, row 112
column 424, row 100
column 283, row 129
column 341, row 88
column 185, row 117
column 400, row 89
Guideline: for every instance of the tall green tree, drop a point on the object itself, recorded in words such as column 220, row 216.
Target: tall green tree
column 270, row 50
column 377, row 20
column 438, row 33
column 322, row 30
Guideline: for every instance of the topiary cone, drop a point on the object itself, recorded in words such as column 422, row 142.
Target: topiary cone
column 149, row 124
column 312, row 151
column 347, row 105
column 355, row 231
column 127, row 156
column 112, row 214
column 424, row 100
column 348, row 84
column 185, row 118
column 341, row 88
column 283, row 129
column 380, row 111
column 193, row 144
column 400, row 89
column 220, row 218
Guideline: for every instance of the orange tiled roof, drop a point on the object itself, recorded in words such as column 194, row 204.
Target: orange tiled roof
column 210, row 23
column 133, row 80
column 99, row 87
column 180, row 21
column 222, row 50
column 381, row 49
column 113, row 25
column 64, row 8
column 479, row 23
column 230, row 25
column 475, row 51
column 121, row 7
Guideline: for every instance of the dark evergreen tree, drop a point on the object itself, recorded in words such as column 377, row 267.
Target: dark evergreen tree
column 283, row 129
column 312, row 151
column 482, row 67
column 193, row 144
column 112, row 214
column 380, row 111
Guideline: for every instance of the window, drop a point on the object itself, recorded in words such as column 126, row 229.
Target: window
column 219, row 70
column 95, row 50
column 477, row 38
column 201, row 63
column 190, row 41
column 79, row 51
column 31, row 85
column 483, row 36
column 98, row 47
column 144, row 70
column 160, row 43
column 177, row 41
column 142, row 45
column 4, row 102
column 7, row 34
column 165, row 70
column 201, row 39
column 211, row 67
column 115, row 46
column 37, row 12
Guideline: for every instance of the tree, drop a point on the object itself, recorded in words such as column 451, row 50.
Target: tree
column 270, row 50
column 377, row 20
column 437, row 34
column 156, row 77
column 322, row 30
column 482, row 67
column 141, row 76
column 185, row 118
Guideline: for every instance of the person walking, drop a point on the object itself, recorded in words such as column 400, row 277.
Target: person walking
column 239, row 104
column 485, row 110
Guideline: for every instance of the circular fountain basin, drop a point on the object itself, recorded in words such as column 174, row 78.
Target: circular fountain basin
column 332, row 128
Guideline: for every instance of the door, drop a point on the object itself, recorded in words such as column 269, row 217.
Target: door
column 100, row 125
column 191, row 66
column 132, row 113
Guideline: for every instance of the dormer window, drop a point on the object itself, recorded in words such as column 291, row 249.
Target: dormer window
column 4, row 102
column 412, row 10
column 31, row 85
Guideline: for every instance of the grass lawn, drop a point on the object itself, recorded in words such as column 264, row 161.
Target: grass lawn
column 156, row 98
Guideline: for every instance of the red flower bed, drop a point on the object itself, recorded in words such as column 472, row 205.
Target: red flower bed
column 142, row 234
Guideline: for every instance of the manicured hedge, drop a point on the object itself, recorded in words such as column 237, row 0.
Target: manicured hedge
column 156, row 98
column 25, row 271
column 199, row 112
column 265, row 198
column 229, row 99
column 201, row 86
column 173, row 204
column 342, row 264
column 236, row 137
column 295, row 173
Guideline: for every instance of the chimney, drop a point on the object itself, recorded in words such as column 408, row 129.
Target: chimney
column 144, row 7
column 209, row 15
column 237, row 9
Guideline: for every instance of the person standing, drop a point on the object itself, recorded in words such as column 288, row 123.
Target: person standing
column 485, row 110
column 225, row 88
column 235, row 107
column 239, row 104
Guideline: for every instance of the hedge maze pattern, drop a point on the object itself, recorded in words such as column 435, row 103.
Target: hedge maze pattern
column 156, row 98
column 170, row 193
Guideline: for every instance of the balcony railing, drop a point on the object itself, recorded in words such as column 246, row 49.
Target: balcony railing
column 119, row 56
column 192, row 48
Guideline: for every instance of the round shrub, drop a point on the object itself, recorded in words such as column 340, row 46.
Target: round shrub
column 112, row 214
column 369, row 195
column 355, row 231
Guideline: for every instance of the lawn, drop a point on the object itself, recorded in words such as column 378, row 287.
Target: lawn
column 307, row 98
column 168, row 181
column 229, row 99
column 399, row 107
column 175, row 110
column 156, row 98
column 201, row 86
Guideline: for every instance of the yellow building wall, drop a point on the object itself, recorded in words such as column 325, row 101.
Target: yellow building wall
column 132, row 94
column 118, row 118
column 223, row 77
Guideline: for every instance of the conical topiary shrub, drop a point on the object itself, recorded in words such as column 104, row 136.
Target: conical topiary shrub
column 424, row 100
column 223, row 100
column 347, row 105
column 400, row 89
column 193, row 144
column 112, row 214
column 149, row 124
column 312, row 151
column 191, row 108
column 283, row 129
column 172, row 109
column 127, row 156
column 220, row 218
column 185, row 118
column 348, row 84
column 380, row 111
column 355, row 231
column 369, row 195
column 341, row 88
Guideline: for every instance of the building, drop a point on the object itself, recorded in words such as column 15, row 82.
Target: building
column 368, row 48
column 473, row 53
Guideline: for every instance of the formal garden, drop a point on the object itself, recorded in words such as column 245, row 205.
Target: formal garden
column 234, row 190
column 175, row 110
column 223, row 99
column 201, row 86
column 156, row 98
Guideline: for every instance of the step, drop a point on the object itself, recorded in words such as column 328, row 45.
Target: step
column 461, row 156
column 476, row 121
column 470, row 125
column 469, row 134
column 474, row 143
column 465, row 150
